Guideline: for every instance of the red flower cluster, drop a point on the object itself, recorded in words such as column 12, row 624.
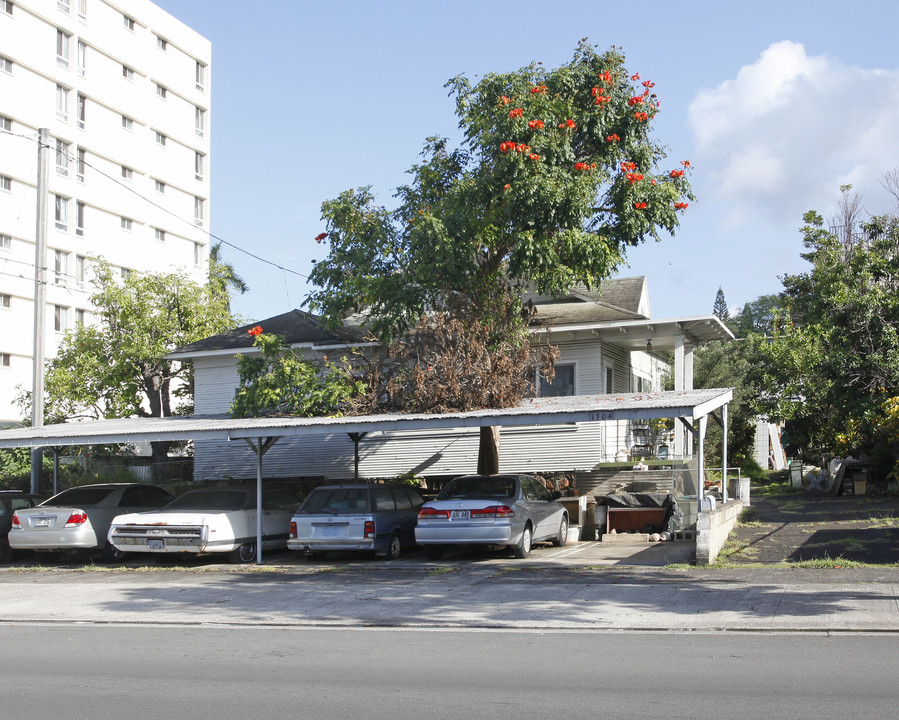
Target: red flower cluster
column 521, row 147
column 583, row 166
column 635, row 76
column 613, row 138
column 505, row 100
column 681, row 206
column 685, row 163
column 640, row 205
column 320, row 237
column 641, row 116
column 569, row 123
column 633, row 177
column 605, row 76
column 534, row 156
column 254, row 331
column 517, row 112
column 507, row 187
column 676, row 173
column 535, row 124
column 648, row 84
column 636, row 100
column 538, row 89
column 625, row 166
column 506, row 147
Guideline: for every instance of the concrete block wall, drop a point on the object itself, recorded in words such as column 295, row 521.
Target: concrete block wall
column 712, row 529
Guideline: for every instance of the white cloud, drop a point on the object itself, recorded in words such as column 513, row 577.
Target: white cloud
column 788, row 130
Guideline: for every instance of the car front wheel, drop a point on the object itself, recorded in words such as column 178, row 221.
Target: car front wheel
column 523, row 549
column 246, row 553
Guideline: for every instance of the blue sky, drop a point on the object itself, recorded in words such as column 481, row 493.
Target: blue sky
column 776, row 104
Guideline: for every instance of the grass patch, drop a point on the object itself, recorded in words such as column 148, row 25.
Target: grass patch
column 775, row 489
column 437, row 572
column 749, row 518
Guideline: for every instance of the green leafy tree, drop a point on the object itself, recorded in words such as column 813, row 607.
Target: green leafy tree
column 719, row 308
column 223, row 278
column 116, row 366
column 279, row 380
column 557, row 176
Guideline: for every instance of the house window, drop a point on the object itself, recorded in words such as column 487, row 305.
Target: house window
column 60, row 318
column 79, row 219
column 160, row 139
column 127, row 123
column 201, row 76
column 79, row 111
column 5, row 123
column 159, row 234
column 60, row 267
column 79, row 164
column 128, row 23
column 5, row 242
column 609, row 379
column 5, row 301
column 63, row 44
column 160, row 186
column 640, row 383
column 127, row 173
column 79, row 316
column 200, row 121
column 82, row 58
column 161, row 91
column 127, row 73
column 199, row 211
column 62, row 103
column 199, row 165
column 5, row 183
column 126, row 224
column 62, row 157
column 562, row 384
column 4, row 360
column 61, row 212
column 80, row 269
column 161, row 43
column 5, row 65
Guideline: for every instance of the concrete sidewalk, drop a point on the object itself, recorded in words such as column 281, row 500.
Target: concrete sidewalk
column 465, row 596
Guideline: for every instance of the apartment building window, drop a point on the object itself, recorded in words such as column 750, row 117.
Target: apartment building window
column 127, row 122
column 128, row 23
column 5, row 65
column 62, row 103
column 199, row 165
column 161, row 43
column 200, row 121
column 79, row 164
column 80, row 104
column 5, row 242
column 64, row 5
column 124, row 272
column 6, row 6
column 562, row 384
column 159, row 185
column 62, row 157
column 63, row 45
column 127, row 73
column 159, row 234
column 5, row 123
column 199, row 211
column 82, row 9
column 79, row 317
column 60, row 267
column 80, row 269
column 5, row 301
column 161, row 91
column 60, row 318
column 127, row 173
column 5, row 183
column 79, row 218
column 82, row 58
column 5, row 360
column 127, row 224
column 198, row 255
column 61, row 212
column 201, row 76
column 160, row 139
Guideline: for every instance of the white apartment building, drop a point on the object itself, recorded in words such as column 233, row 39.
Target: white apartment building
column 124, row 90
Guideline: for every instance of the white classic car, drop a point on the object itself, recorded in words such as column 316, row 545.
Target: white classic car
column 210, row 520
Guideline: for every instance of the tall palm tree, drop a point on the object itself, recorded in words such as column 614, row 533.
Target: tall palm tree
column 223, row 279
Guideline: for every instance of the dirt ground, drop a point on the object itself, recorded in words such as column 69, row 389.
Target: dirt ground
column 806, row 526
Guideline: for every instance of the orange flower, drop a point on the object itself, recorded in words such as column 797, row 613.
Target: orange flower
column 535, row 124
column 581, row 166
column 517, row 112
column 681, row 206
column 254, row 331
column 538, row 89
column 506, row 147
column 641, row 116
column 521, row 147
column 534, row 156
column 640, row 205
column 507, row 187
column 648, row 84
column 506, row 100
column 676, row 173
column 613, row 138
column 635, row 76
column 320, row 237
column 628, row 166
column 685, row 163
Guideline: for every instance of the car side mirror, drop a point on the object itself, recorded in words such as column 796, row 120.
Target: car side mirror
column 555, row 494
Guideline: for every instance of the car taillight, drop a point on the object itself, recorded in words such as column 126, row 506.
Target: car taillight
column 429, row 513
column 494, row 511
column 16, row 523
column 76, row 518
column 369, row 528
column 293, row 530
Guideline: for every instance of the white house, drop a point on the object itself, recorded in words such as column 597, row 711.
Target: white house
column 124, row 90
column 609, row 345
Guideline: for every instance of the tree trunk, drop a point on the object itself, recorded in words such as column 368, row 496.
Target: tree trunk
column 488, row 451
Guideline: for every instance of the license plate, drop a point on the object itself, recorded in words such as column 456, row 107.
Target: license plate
column 332, row 531
column 156, row 544
column 460, row 514
column 42, row 522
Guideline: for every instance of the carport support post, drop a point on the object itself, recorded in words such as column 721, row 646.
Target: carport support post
column 700, row 464
column 260, row 447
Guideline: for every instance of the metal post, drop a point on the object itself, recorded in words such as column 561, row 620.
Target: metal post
column 40, row 303
column 259, row 452
column 724, row 455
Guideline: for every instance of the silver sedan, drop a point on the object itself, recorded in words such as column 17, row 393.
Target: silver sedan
column 511, row 511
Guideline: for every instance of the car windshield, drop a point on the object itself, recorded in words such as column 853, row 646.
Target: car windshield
column 337, row 501
column 478, row 487
column 77, row 497
column 210, row 500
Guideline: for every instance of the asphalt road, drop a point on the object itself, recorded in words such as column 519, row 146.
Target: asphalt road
column 97, row 672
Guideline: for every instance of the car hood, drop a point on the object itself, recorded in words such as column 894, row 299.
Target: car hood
column 173, row 517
